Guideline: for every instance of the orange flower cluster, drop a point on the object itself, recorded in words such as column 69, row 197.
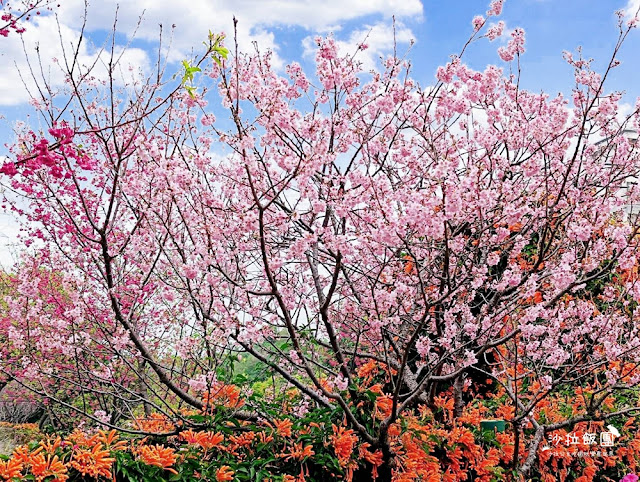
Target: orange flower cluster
column 206, row 440
column 93, row 462
column 240, row 444
column 43, row 466
column 158, row 455
column 224, row 473
column 297, row 452
column 222, row 395
column 439, row 446
column 41, row 463
column 156, row 423
column 10, row 469
column 427, row 443
column 20, row 426
column 88, row 455
column 344, row 441
column 375, row 458
column 283, row 427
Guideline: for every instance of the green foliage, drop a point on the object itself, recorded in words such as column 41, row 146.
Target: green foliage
column 188, row 76
column 267, row 457
column 215, row 47
column 128, row 469
column 218, row 53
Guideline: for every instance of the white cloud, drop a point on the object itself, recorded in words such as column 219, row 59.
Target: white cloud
column 43, row 41
column 632, row 8
column 321, row 15
column 9, row 230
column 193, row 20
column 257, row 20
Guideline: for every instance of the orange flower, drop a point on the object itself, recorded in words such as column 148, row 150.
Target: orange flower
column 21, row 454
column 188, row 436
column 159, row 456
column 110, row 440
column 366, row 370
column 50, row 445
column 223, row 395
column 10, row 469
column 505, row 412
column 394, row 430
column 409, row 266
column 156, row 423
column 243, row 440
column 206, row 440
column 444, row 403
column 78, row 437
column 325, row 385
column 264, row 438
column 297, row 452
column 377, row 388
column 384, row 404
column 283, row 427
column 343, row 441
column 94, row 462
column 374, row 459
column 209, row 440
column 43, row 467
column 462, row 436
column 514, row 228
column 418, row 464
column 238, row 442
column 224, row 473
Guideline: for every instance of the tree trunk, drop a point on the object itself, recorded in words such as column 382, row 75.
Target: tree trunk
column 457, row 391
column 385, row 470
column 142, row 388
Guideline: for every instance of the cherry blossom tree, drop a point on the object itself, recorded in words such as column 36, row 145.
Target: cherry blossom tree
column 444, row 231
column 49, row 347
column 15, row 14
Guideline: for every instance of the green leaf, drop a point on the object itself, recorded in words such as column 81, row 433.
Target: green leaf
column 188, row 77
column 222, row 52
column 190, row 90
column 239, row 379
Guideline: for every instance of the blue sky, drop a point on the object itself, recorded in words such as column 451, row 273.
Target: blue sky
column 551, row 26
column 439, row 29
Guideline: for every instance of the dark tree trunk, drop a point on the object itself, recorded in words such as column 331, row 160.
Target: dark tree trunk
column 385, row 471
